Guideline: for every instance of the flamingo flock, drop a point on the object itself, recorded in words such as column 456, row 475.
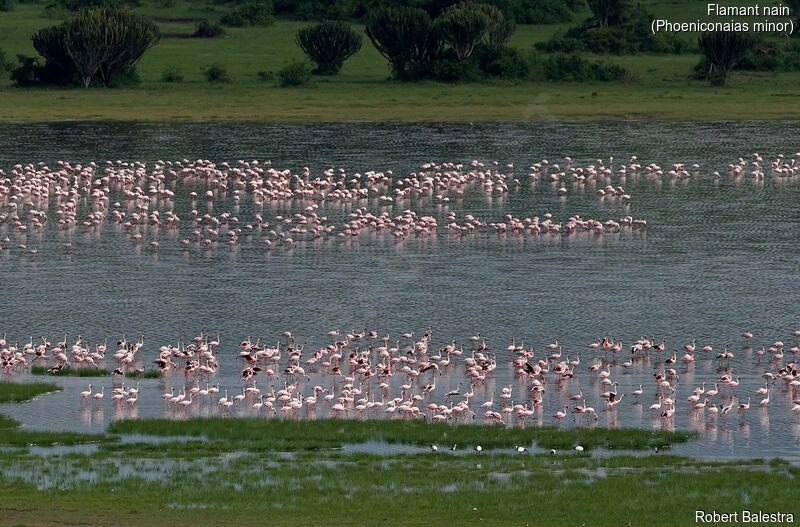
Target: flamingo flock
column 140, row 204
column 362, row 375
column 76, row 198
column 369, row 374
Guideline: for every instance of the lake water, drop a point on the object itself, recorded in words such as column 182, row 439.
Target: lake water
column 718, row 258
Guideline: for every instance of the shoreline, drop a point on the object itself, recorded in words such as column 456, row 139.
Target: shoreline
column 390, row 102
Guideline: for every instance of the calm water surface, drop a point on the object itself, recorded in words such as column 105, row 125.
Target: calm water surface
column 717, row 258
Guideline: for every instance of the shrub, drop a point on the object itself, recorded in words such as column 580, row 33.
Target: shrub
column 488, row 61
column 501, row 32
column 26, row 73
column 253, row 13
column 97, row 43
column 724, row 49
column 5, row 5
column 171, row 74
column 794, row 5
column 499, row 60
column 463, row 28
column 295, row 73
column 74, row 6
column 407, row 38
column 205, row 29
column 30, row 72
column 763, row 56
column 574, row 68
column 607, row 12
column 630, row 37
column 216, row 73
column 329, row 44
column 522, row 11
column 86, row 42
column 791, row 61
column 760, row 58
column 327, row 10
column 50, row 43
column 448, row 68
column 5, row 64
column 538, row 11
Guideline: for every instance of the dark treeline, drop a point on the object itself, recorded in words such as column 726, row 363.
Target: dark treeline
column 521, row 11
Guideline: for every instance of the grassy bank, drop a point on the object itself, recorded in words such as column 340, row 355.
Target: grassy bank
column 230, row 478
column 70, row 372
column 332, row 489
column 11, row 435
column 330, row 433
column 11, row 392
column 362, row 90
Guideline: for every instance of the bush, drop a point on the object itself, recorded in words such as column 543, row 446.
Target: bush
column 5, row 5
column 763, row 56
column 58, row 67
column 630, row 37
column 501, row 32
column 448, row 68
column 74, row 6
column 253, row 13
column 574, row 68
column 724, row 50
column 295, row 73
column 794, row 5
column 327, row 10
column 522, row 11
column 26, row 73
column 607, row 13
column 463, row 28
column 488, row 61
column 205, row 29
column 97, row 43
column 31, row 72
column 768, row 56
column 5, row 64
column 329, row 44
column 216, row 73
column 499, row 60
column 537, row 11
column 171, row 74
column 126, row 78
column 407, row 38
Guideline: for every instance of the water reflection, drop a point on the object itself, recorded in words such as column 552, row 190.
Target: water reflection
column 714, row 261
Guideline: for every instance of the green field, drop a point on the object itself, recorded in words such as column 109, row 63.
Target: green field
column 212, row 481
column 362, row 91
column 268, row 472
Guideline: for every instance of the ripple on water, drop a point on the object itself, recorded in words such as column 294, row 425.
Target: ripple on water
column 716, row 260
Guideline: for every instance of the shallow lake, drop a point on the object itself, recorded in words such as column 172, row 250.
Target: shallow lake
column 718, row 258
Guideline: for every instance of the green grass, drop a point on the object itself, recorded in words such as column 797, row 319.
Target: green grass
column 268, row 434
column 429, row 489
column 71, row 372
column 169, row 484
column 18, row 393
column 362, row 92
column 10, row 435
